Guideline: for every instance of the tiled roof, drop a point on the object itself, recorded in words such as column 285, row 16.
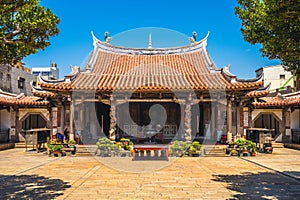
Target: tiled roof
column 112, row 71
column 8, row 99
column 278, row 101
column 42, row 93
column 260, row 92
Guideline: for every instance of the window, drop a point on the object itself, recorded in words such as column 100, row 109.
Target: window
column 34, row 83
column 282, row 76
column 8, row 77
column 21, row 83
column 1, row 75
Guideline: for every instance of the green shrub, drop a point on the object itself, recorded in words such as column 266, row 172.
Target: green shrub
column 54, row 145
column 196, row 146
column 105, row 144
column 72, row 142
column 179, row 146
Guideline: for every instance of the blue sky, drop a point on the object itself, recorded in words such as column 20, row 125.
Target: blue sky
column 125, row 22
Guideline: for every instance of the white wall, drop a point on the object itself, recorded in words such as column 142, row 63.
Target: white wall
column 272, row 75
column 4, row 119
column 295, row 118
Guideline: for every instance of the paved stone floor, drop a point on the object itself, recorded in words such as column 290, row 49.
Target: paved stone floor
column 37, row 176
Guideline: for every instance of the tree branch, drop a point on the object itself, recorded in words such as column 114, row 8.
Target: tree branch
column 14, row 33
column 6, row 41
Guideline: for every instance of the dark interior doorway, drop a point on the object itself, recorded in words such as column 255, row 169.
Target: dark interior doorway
column 33, row 121
column 103, row 117
column 268, row 121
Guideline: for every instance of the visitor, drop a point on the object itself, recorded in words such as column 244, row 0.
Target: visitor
column 67, row 134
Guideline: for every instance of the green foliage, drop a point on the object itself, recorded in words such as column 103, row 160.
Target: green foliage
column 240, row 142
column 54, row 145
column 25, row 27
column 105, row 144
column 72, row 142
column 179, row 146
column 246, row 145
column 195, row 146
column 275, row 25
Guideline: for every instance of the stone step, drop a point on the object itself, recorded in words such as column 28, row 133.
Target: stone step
column 6, row 146
column 277, row 145
column 20, row 145
column 215, row 151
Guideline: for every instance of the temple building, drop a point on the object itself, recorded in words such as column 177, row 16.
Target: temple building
column 134, row 92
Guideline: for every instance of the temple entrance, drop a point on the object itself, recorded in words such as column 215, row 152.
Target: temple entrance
column 201, row 119
column 268, row 121
column 33, row 121
column 148, row 114
column 103, row 118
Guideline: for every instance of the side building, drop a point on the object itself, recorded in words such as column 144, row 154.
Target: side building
column 16, row 79
column 19, row 109
column 279, row 111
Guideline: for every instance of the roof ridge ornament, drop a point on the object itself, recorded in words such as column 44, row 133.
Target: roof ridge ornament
column 107, row 39
column 193, row 39
column 150, row 41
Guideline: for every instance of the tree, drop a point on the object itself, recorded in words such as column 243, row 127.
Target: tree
column 275, row 24
column 25, row 28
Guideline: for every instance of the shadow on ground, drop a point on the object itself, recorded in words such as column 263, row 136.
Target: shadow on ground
column 265, row 185
column 30, row 187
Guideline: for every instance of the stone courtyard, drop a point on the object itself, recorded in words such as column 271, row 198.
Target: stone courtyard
column 28, row 175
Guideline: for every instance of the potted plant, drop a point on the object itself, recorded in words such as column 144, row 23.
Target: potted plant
column 105, row 147
column 234, row 152
column 178, row 148
column 71, row 145
column 253, row 148
column 55, row 148
column 195, row 149
column 231, row 146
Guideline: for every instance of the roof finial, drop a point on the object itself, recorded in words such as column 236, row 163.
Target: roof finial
column 194, row 38
column 150, row 42
column 107, row 39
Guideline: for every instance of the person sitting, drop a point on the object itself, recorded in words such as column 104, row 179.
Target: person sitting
column 60, row 137
column 67, row 134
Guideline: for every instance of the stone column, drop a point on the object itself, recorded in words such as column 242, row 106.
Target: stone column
column 13, row 132
column 188, row 120
column 213, row 119
column 59, row 116
column 72, row 120
column 54, row 120
column 283, row 125
column 229, row 120
column 112, row 115
column 250, row 124
column 62, row 118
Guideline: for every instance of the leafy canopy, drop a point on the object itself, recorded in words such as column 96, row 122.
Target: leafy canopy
column 25, row 27
column 276, row 25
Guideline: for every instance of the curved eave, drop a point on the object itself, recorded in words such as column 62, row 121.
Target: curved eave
column 277, row 102
column 259, row 78
column 42, row 80
column 41, row 93
column 260, row 92
column 238, row 86
column 193, row 47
